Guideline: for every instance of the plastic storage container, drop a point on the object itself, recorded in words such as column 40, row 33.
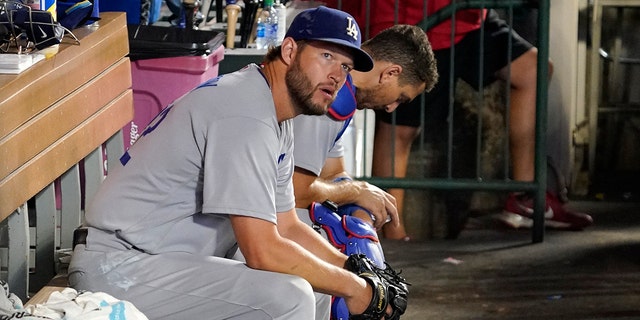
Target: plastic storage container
column 166, row 63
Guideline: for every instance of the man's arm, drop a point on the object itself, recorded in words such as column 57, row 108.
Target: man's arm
column 264, row 247
column 309, row 188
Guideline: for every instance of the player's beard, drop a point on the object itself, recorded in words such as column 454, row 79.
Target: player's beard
column 301, row 91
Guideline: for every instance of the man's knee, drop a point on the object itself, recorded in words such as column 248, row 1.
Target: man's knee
column 295, row 299
column 323, row 306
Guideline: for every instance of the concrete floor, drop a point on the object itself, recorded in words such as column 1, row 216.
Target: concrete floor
column 493, row 273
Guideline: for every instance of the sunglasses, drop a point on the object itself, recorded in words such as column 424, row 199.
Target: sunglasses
column 23, row 29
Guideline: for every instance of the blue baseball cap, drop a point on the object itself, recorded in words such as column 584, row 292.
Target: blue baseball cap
column 331, row 25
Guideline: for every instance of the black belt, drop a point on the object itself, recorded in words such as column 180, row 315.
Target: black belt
column 80, row 236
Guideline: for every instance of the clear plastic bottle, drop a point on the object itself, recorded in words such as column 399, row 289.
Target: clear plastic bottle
column 282, row 20
column 267, row 29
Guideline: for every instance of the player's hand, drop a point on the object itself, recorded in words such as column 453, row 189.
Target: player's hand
column 378, row 202
column 388, row 290
column 360, row 303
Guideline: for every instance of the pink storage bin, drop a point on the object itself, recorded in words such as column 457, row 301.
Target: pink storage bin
column 158, row 82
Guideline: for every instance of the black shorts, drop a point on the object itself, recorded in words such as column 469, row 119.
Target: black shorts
column 497, row 35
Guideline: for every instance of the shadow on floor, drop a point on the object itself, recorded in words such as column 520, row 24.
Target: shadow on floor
column 491, row 273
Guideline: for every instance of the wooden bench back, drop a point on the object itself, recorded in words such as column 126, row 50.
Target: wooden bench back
column 58, row 119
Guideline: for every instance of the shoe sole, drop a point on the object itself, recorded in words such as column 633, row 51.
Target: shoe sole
column 516, row 221
column 513, row 221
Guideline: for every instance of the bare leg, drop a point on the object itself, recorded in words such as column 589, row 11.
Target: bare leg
column 523, row 114
column 522, row 143
column 384, row 166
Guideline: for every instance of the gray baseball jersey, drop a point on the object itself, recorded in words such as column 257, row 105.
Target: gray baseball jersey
column 217, row 151
column 319, row 137
column 315, row 141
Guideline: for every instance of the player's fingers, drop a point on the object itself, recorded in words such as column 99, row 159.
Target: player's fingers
column 392, row 211
column 390, row 198
column 389, row 312
column 388, row 212
column 381, row 217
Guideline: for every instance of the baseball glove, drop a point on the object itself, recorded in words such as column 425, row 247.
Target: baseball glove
column 389, row 288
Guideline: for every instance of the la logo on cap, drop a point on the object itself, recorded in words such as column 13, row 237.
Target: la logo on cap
column 334, row 26
column 352, row 29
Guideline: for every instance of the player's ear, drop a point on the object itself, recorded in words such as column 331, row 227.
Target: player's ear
column 288, row 50
column 391, row 71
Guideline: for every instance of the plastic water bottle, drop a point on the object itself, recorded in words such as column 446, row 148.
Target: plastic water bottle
column 267, row 29
column 282, row 20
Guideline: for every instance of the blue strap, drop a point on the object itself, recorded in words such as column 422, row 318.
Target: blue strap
column 344, row 107
column 345, row 104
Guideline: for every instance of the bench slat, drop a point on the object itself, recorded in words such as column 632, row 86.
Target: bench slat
column 30, row 178
column 50, row 125
column 25, row 95
column 45, row 238
column 56, row 284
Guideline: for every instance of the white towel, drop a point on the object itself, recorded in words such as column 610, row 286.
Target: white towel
column 72, row 305
column 68, row 304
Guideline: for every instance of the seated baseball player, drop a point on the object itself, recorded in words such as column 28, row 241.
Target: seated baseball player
column 213, row 174
column 403, row 68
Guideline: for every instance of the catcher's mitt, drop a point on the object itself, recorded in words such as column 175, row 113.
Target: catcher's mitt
column 389, row 288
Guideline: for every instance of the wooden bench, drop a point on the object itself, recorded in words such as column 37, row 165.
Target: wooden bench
column 56, row 284
column 58, row 120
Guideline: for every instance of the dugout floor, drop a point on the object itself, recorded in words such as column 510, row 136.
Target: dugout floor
column 493, row 273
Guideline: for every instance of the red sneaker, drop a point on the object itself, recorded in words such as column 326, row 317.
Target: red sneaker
column 518, row 212
column 563, row 218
